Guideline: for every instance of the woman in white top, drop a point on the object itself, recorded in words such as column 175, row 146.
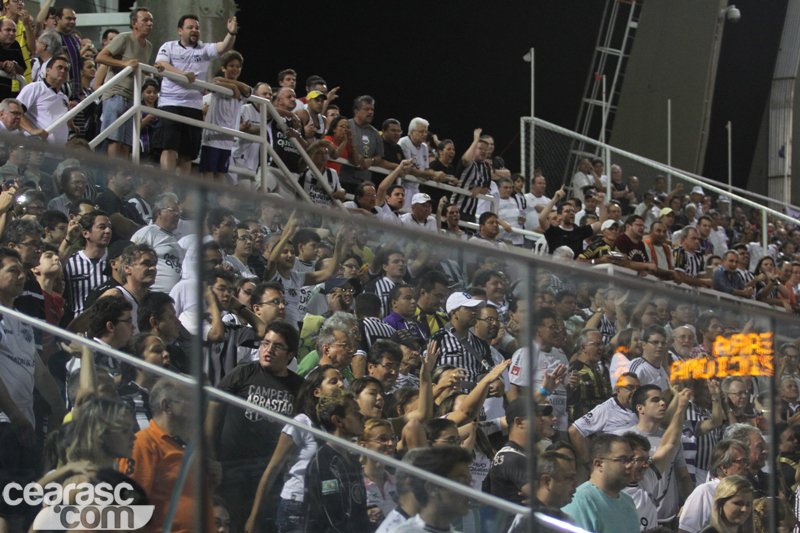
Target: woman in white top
column 295, row 442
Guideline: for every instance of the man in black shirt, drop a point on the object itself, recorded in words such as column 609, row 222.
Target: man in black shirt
column 391, row 133
column 509, row 472
column 124, row 217
column 242, row 440
column 567, row 234
column 11, row 60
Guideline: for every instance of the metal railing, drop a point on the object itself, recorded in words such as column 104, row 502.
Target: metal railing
column 611, row 151
column 266, row 109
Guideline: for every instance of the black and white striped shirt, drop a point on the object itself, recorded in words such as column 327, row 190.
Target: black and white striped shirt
column 607, row 329
column 697, row 450
column 522, row 203
column 139, row 398
column 83, row 275
column 473, row 354
column 478, row 174
column 382, row 287
column 373, row 329
column 688, row 263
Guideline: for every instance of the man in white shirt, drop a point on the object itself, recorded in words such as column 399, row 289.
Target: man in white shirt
column 420, row 216
column 416, row 149
column 159, row 235
column 648, row 367
column 45, row 102
column 509, row 212
column 188, row 57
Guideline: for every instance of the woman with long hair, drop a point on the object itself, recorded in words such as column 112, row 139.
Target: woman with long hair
column 340, row 134
column 732, row 510
column 769, row 288
column 380, row 484
column 295, row 442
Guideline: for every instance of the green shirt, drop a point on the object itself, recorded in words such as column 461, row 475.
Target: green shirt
column 594, row 510
column 311, row 361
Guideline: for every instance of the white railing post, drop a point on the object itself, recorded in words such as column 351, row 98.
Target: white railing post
column 764, row 232
column 136, row 141
column 264, row 148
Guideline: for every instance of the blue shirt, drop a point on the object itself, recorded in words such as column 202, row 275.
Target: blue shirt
column 727, row 281
column 594, row 510
column 398, row 323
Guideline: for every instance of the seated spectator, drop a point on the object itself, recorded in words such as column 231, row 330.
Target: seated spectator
column 73, row 183
column 488, row 231
column 123, row 215
column 420, row 215
column 383, row 363
column 166, row 215
column 649, row 367
column 403, row 302
column 754, row 442
column 726, row 279
column 587, row 386
column 86, row 269
column 598, row 252
column 380, row 485
column 737, row 517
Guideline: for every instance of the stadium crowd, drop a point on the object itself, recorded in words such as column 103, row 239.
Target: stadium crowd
column 406, row 348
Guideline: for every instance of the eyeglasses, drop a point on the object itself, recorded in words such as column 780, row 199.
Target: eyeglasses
column 390, row 367
column 269, row 345
column 15, row 113
column 339, row 290
column 350, row 265
column 657, row 343
column 451, row 440
column 643, row 461
column 244, row 238
column 383, row 439
column 223, row 290
column 274, row 303
column 625, row 460
column 34, row 245
column 346, row 345
column 490, row 320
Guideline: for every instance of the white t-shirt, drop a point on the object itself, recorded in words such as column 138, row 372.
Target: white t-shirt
column 169, row 253
column 384, row 498
column 642, row 494
column 696, row 513
column 648, row 374
column 386, row 214
column 222, row 111
column 531, row 214
column 548, row 361
column 392, row 521
column 44, row 106
column 508, row 211
column 408, row 221
column 415, row 524
column 197, row 60
column 296, row 298
column 18, row 365
column 419, row 160
column 486, row 205
column 246, row 153
column 607, row 417
column 307, row 446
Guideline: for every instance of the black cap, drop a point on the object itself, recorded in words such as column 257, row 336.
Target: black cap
column 333, row 283
column 115, row 250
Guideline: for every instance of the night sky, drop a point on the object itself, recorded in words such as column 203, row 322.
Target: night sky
column 462, row 68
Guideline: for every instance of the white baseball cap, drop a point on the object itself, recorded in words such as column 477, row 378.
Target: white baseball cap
column 608, row 223
column 462, row 299
column 420, row 198
column 697, row 189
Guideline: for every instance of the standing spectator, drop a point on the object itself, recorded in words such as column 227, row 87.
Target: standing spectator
column 475, row 175
column 86, row 269
column 235, row 434
column 599, row 505
column 391, row 131
column 726, row 278
column 339, row 506
column 225, row 111
column 368, row 143
column 433, row 293
column 556, row 483
column 11, row 60
column 71, row 43
column 650, row 366
column 403, row 302
column 25, row 238
column 509, row 211
column 415, row 149
column 458, row 345
column 393, row 265
column 188, row 57
column 311, row 119
column 24, row 35
column 509, row 473
column 342, row 138
column 22, row 371
column 438, row 506
column 11, row 111
column 753, row 440
column 247, row 154
column 48, row 44
column 45, row 102
column 128, row 49
column 587, row 386
column 567, row 234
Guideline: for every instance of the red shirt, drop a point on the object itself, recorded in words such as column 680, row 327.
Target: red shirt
column 346, row 154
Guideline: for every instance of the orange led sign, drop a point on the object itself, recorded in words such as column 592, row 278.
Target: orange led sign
column 740, row 355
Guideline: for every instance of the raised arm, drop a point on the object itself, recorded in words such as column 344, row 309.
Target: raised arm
column 544, row 224
column 424, row 410
column 227, row 43
column 469, row 155
column 313, row 278
column 717, row 411
column 275, row 253
column 401, row 170
column 672, row 436
column 217, row 331
column 38, row 26
column 471, row 405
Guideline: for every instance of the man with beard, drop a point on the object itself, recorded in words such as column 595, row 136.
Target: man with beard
column 675, row 480
column 587, row 387
column 683, row 340
column 448, row 224
column 188, row 57
column 649, row 366
column 630, row 243
column 615, row 413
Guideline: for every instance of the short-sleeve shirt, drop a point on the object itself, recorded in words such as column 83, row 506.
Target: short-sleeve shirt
column 223, row 111
column 509, row 472
column 245, row 434
column 557, row 236
column 295, row 294
column 368, row 143
column 306, row 446
column 195, row 59
column 594, row 510
column 309, row 182
column 599, row 248
column 169, row 254
column 635, row 252
column 124, row 47
column 45, row 106
column 17, row 364
column 648, row 374
column 605, row 418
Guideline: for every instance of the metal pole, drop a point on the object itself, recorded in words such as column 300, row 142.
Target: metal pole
column 264, row 145
column 669, row 143
column 605, row 113
column 533, row 82
column 764, row 232
column 607, row 154
column 787, row 153
column 137, row 115
column 196, row 367
column 730, row 156
column 532, row 169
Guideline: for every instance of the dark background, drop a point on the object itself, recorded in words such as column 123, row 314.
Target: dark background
column 459, row 64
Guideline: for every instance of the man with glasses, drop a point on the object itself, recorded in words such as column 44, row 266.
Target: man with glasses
column 242, row 440
column 649, row 367
column 729, row 458
column 15, row 166
column 600, row 505
column 587, row 387
column 567, row 234
column 158, row 234
column 241, row 253
column 684, row 340
column 646, row 472
column 73, row 183
column 383, row 363
column 458, row 345
column 675, row 483
column 11, row 116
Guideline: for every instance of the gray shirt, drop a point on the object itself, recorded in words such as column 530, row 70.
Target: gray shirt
column 368, row 143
